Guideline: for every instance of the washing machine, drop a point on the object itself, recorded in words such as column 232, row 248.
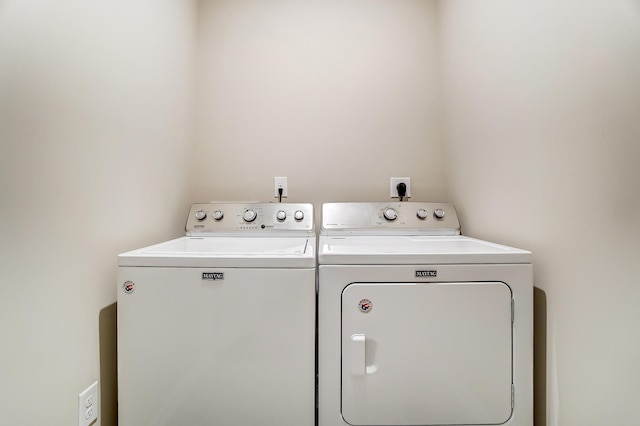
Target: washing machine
column 418, row 324
column 218, row 327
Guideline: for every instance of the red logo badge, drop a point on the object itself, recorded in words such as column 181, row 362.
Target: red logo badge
column 128, row 287
column 365, row 306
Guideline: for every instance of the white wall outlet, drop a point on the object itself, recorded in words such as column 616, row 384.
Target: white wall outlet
column 88, row 404
column 280, row 182
column 393, row 186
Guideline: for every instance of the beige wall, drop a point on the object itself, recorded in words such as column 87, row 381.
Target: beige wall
column 542, row 107
column 95, row 131
column 103, row 144
column 336, row 95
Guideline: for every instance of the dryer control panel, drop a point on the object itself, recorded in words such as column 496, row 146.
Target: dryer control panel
column 398, row 218
column 235, row 218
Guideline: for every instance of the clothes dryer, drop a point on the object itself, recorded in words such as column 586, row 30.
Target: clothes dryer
column 218, row 327
column 419, row 325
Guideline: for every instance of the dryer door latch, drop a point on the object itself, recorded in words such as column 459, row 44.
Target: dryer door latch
column 358, row 355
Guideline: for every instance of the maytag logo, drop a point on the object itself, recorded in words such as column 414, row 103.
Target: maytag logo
column 422, row 274
column 213, row 276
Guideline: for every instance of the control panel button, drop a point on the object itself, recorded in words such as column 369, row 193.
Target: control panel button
column 217, row 215
column 281, row 215
column 439, row 213
column 298, row 215
column 201, row 215
column 249, row 215
column 390, row 214
column 422, row 214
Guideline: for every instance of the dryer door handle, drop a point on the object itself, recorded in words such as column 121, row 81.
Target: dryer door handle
column 358, row 355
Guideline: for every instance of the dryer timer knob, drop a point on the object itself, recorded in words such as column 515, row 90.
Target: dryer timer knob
column 439, row 213
column 390, row 214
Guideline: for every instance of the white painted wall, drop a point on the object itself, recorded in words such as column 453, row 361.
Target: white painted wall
column 96, row 105
column 336, row 95
column 542, row 146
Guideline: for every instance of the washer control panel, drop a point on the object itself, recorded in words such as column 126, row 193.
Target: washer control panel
column 249, row 217
column 398, row 217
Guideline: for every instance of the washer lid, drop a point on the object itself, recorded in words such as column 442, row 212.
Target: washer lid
column 408, row 250
column 230, row 252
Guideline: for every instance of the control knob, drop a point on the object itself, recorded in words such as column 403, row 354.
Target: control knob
column 281, row 215
column 439, row 213
column 298, row 215
column 422, row 214
column 217, row 215
column 390, row 214
column 249, row 215
column 201, row 215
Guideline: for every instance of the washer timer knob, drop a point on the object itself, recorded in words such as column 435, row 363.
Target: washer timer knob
column 439, row 213
column 281, row 215
column 217, row 215
column 422, row 214
column 298, row 215
column 249, row 215
column 201, row 215
column 390, row 214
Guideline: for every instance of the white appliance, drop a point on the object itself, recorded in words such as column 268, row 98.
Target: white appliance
column 419, row 325
column 218, row 327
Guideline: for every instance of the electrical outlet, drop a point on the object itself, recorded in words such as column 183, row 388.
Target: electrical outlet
column 88, row 404
column 280, row 182
column 393, row 186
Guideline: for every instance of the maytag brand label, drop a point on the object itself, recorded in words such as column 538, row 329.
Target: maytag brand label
column 422, row 274
column 213, row 276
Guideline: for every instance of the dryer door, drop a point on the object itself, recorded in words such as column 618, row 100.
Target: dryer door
column 426, row 353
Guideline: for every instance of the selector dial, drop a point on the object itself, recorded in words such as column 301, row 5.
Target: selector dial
column 281, row 215
column 390, row 214
column 422, row 214
column 249, row 215
column 201, row 215
column 298, row 215
column 439, row 213
column 217, row 215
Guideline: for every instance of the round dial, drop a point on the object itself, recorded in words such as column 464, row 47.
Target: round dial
column 201, row 215
column 281, row 215
column 249, row 215
column 422, row 214
column 298, row 215
column 390, row 214
column 439, row 213
column 217, row 215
